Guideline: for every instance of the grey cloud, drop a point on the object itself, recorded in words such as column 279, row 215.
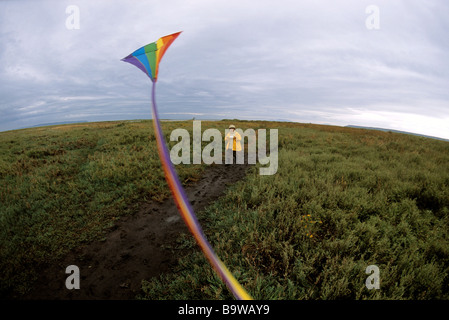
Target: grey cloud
column 312, row 61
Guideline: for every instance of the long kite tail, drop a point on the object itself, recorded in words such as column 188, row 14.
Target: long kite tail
column 187, row 213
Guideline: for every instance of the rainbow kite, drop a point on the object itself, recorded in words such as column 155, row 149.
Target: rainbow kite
column 147, row 59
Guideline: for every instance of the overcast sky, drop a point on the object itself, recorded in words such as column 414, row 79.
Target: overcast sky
column 326, row 62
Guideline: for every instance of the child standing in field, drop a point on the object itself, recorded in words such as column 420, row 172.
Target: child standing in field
column 232, row 140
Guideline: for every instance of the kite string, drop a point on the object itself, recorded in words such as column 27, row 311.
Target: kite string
column 186, row 210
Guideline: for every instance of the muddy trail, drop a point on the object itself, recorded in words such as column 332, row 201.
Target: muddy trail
column 135, row 248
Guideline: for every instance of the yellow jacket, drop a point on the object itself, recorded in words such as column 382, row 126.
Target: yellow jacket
column 236, row 146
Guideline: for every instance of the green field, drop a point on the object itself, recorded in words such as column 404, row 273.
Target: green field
column 341, row 200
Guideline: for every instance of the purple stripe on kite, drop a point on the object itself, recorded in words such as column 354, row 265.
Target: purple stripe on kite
column 133, row 60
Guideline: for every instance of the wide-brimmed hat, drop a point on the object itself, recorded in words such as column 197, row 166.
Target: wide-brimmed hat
column 231, row 126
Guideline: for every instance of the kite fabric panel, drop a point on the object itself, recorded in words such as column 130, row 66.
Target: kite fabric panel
column 147, row 58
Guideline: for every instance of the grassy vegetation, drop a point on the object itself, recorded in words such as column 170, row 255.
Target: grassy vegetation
column 62, row 186
column 342, row 199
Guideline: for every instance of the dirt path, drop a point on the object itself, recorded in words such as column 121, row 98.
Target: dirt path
column 135, row 249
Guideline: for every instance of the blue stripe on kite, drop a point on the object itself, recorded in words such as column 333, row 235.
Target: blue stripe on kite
column 143, row 59
column 139, row 51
